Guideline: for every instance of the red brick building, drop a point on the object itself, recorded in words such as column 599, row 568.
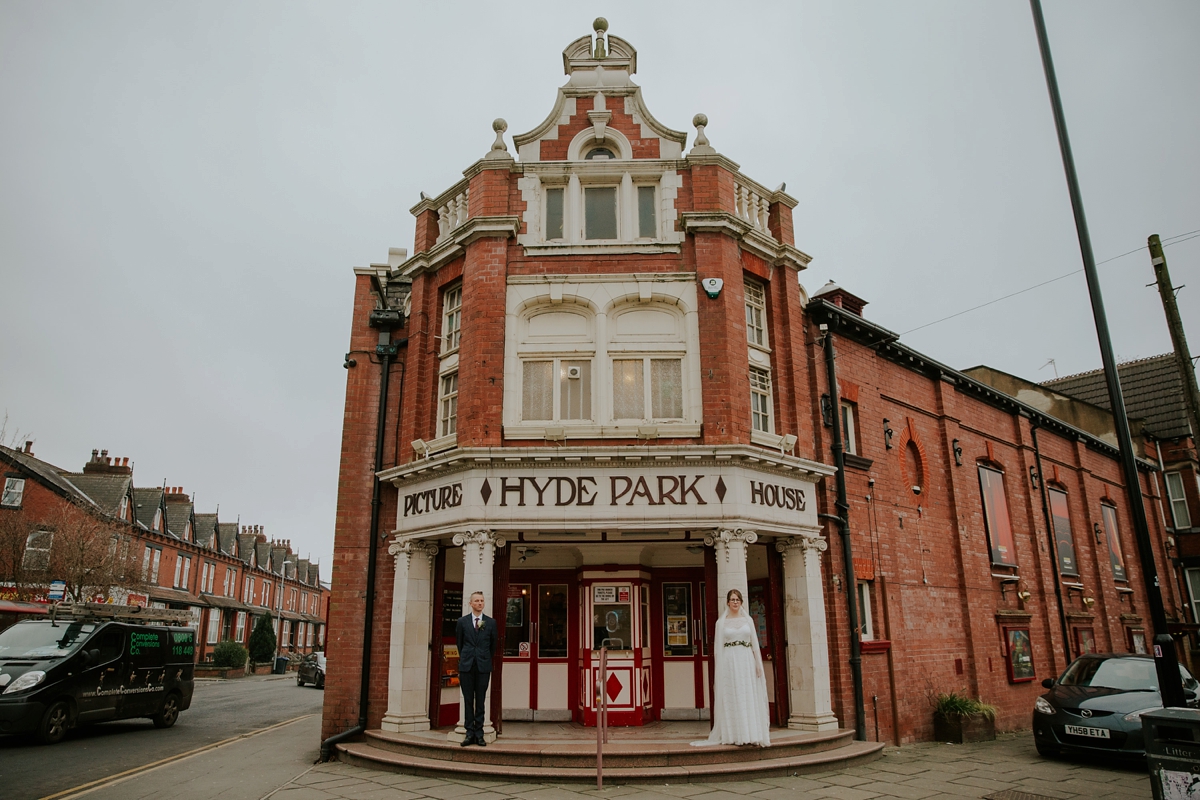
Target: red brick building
column 607, row 403
column 162, row 553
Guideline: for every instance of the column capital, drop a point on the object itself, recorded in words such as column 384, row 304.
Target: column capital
column 479, row 537
column 726, row 536
column 407, row 549
column 806, row 543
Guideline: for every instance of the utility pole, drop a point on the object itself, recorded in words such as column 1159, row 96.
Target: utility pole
column 1166, row 664
column 1183, row 358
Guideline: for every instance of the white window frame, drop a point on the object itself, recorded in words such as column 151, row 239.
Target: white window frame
column 451, row 318
column 214, row 625
column 765, row 405
column 187, row 571
column 240, row 627
column 647, row 386
column 178, row 570
column 756, row 314
column 150, row 562
column 556, row 368
column 847, row 412
column 265, row 601
column 29, row 541
column 866, row 624
column 1177, row 500
column 208, row 577
column 14, row 493
column 448, row 405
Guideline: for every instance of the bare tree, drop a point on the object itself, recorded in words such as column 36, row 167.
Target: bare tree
column 16, row 583
column 92, row 555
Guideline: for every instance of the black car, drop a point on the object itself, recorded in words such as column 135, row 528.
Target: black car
column 57, row 674
column 312, row 670
column 1096, row 705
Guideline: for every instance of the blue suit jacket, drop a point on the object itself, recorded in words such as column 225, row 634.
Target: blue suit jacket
column 476, row 647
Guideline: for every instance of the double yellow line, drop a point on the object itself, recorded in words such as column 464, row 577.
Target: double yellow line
column 85, row 787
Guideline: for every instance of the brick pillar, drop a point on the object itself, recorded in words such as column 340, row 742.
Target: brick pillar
column 479, row 560
column 408, row 665
column 808, row 646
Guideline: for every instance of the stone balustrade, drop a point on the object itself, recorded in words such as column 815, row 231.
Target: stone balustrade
column 453, row 212
column 752, row 206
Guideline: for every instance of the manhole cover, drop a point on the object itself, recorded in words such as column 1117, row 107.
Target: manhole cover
column 1016, row 794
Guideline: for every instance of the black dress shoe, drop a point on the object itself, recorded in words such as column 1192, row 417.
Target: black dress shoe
column 481, row 742
column 467, row 742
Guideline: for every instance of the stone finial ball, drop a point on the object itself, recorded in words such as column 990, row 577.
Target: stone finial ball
column 699, row 120
column 601, row 24
column 499, row 125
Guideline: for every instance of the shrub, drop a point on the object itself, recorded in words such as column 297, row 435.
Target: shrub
column 953, row 704
column 229, row 655
column 262, row 640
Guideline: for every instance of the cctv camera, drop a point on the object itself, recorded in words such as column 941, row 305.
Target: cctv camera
column 916, row 490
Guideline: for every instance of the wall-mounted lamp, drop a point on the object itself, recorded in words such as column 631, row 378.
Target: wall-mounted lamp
column 349, row 362
column 1169, row 542
column 524, row 553
column 1034, row 478
column 787, row 444
column 695, row 549
column 1089, row 602
column 887, row 434
column 957, row 452
column 421, row 447
column 1024, row 596
column 1099, row 533
column 826, row 411
column 837, row 582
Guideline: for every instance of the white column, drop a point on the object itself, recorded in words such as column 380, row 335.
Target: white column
column 730, row 547
column 408, row 659
column 573, row 211
column 479, row 559
column 811, row 706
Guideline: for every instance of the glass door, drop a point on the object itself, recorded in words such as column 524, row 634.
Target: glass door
column 612, row 615
column 679, row 646
column 538, row 680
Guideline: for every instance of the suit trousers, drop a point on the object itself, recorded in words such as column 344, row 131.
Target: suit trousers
column 474, row 685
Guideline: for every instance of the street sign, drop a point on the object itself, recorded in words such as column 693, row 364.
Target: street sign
column 57, row 589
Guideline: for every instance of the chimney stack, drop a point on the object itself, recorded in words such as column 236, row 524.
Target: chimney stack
column 101, row 464
column 29, row 446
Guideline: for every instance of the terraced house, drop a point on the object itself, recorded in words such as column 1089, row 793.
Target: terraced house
column 111, row 541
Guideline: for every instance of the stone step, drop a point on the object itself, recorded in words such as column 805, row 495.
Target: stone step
column 580, row 752
column 366, row 754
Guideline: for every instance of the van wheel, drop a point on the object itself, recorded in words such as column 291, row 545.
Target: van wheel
column 169, row 713
column 320, row 680
column 299, row 680
column 54, row 723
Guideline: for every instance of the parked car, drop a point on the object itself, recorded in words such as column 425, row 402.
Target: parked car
column 312, row 670
column 1096, row 705
column 57, row 674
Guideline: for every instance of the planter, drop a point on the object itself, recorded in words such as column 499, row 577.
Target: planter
column 961, row 729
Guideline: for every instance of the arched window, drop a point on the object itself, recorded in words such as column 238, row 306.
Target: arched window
column 647, row 350
column 556, row 350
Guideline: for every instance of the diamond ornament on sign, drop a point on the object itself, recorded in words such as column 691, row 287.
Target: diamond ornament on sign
column 721, row 489
column 613, row 687
column 486, row 491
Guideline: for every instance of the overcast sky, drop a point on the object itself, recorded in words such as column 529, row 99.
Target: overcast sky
column 184, row 189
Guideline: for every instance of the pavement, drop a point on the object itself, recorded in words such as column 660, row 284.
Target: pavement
column 278, row 764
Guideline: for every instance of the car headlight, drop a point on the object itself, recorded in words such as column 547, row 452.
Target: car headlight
column 1134, row 716
column 1042, row 706
column 27, row 681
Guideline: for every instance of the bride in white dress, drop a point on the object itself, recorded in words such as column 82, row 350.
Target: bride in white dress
column 740, row 713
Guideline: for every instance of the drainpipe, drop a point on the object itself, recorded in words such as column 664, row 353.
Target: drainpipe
column 384, row 319
column 1062, row 614
column 843, row 522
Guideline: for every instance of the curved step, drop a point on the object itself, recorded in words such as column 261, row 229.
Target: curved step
column 366, row 754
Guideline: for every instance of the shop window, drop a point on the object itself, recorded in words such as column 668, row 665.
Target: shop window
column 756, row 314
column 552, row 621
column 14, row 491
column 1179, row 507
column 451, row 318
column 448, row 405
column 1116, row 557
column 1064, row 542
column 866, row 624
column 760, row 400
column 600, row 212
column 37, row 551
column 648, row 388
column 997, row 522
column 849, row 429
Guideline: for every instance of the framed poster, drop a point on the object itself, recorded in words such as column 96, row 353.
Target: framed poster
column 1085, row 641
column 756, row 606
column 449, row 665
column 1020, row 655
column 677, row 611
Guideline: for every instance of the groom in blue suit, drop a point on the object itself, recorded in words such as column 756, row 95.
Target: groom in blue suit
column 476, row 634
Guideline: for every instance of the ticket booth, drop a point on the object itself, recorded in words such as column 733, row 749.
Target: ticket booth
column 615, row 615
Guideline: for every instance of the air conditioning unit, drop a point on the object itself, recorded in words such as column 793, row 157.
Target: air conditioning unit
column 574, row 373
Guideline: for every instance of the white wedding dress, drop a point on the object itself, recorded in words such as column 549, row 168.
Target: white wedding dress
column 740, row 714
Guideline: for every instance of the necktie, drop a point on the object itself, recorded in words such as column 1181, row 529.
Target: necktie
column 478, row 623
